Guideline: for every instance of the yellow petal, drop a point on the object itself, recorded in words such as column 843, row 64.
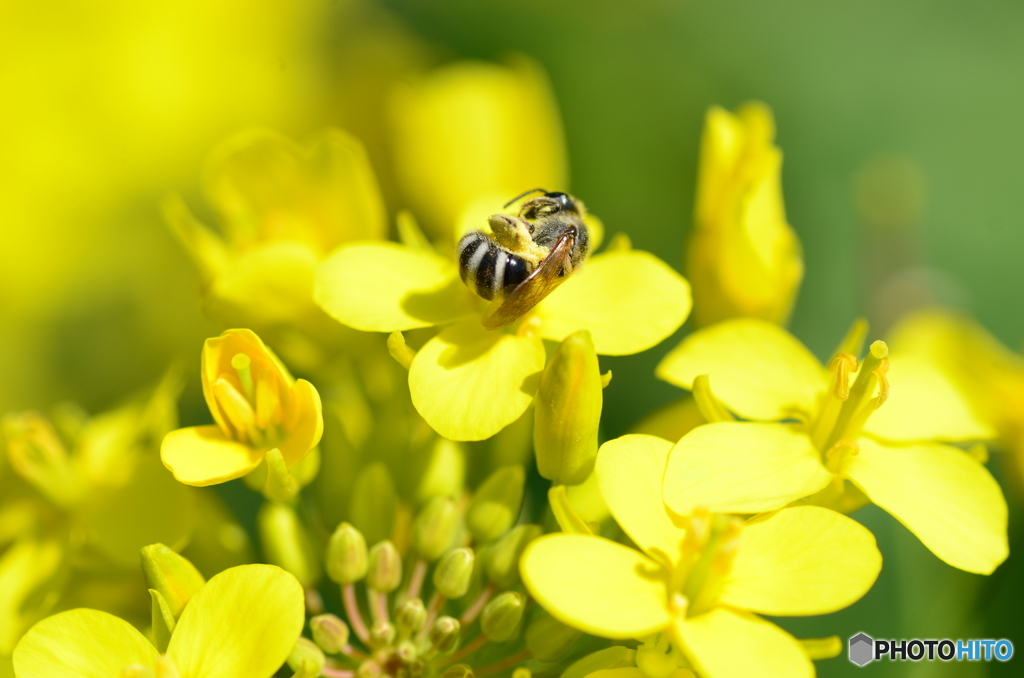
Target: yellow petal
column 742, row 468
column 384, row 286
column 629, row 300
column 27, row 569
column 596, row 585
column 630, row 471
column 672, row 421
column 469, row 383
column 203, row 455
column 81, row 644
column 305, row 429
column 944, row 496
column 925, row 404
column 242, row 624
column 727, row 644
column 758, row 369
column 802, row 561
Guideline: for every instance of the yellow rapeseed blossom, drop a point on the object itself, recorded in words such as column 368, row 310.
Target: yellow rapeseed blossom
column 475, row 130
column 282, row 209
column 690, row 594
column 242, row 624
column 468, row 382
column 812, row 429
column 258, row 407
column 988, row 371
column 742, row 257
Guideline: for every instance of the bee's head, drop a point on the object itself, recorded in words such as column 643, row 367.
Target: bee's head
column 547, row 204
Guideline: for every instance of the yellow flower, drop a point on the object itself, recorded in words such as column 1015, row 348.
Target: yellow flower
column 813, row 429
column 258, row 407
column 696, row 589
column 471, row 130
column 242, row 623
column 975, row 360
column 467, row 382
column 282, row 208
column 742, row 257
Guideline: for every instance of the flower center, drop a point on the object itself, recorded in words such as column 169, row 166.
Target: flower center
column 251, row 403
column 707, row 552
column 846, row 408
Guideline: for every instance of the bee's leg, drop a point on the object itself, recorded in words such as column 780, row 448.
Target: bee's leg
column 511, row 232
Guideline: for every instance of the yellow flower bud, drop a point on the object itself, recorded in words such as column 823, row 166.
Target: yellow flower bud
column 436, row 527
column 385, row 568
column 502, row 615
column 346, row 559
column 444, row 634
column 286, row 542
column 329, row 632
column 548, row 639
column 503, row 558
column 453, row 572
column 568, row 411
column 411, row 616
column 306, row 659
column 382, row 634
column 173, row 576
column 496, row 504
column 742, row 257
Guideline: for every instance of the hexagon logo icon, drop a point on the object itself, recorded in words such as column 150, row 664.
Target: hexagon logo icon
column 862, row 649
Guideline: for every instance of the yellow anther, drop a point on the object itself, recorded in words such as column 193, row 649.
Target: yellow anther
column 843, row 365
column 399, row 350
column 236, row 408
column 883, row 382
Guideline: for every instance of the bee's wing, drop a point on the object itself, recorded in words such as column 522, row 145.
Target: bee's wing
column 542, row 282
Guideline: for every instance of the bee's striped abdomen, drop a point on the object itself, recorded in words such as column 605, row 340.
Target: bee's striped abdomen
column 488, row 268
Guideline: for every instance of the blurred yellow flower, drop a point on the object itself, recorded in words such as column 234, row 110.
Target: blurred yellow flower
column 474, row 130
column 78, row 500
column 258, row 407
column 282, row 208
column 970, row 356
column 694, row 590
column 742, row 257
column 468, row 382
column 830, row 426
column 243, row 623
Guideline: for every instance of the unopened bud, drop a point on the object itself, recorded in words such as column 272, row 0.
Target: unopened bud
column 444, row 635
column 329, row 632
column 411, row 616
column 306, row 659
column 567, row 411
column 436, row 527
column 549, row 640
column 286, row 542
column 503, row 559
column 496, row 504
column 385, row 568
column 382, row 634
column 374, row 502
column 173, row 576
column 368, row 669
column 502, row 615
column 458, row 671
column 453, row 573
column 346, row 555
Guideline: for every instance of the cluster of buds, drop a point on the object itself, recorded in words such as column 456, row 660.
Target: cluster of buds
column 446, row 600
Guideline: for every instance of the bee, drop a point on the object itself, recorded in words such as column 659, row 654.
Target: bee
column 527, row 256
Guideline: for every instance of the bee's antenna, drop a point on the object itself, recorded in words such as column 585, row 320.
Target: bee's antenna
column 523, row 195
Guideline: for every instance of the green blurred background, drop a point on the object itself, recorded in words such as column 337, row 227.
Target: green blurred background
column 904, row 163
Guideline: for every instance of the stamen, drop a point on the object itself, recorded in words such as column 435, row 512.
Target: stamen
column 843, row 365
column 883, row 383
column 268, row 402
column 241, row 362
column 839, row 456
column 236, row 409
